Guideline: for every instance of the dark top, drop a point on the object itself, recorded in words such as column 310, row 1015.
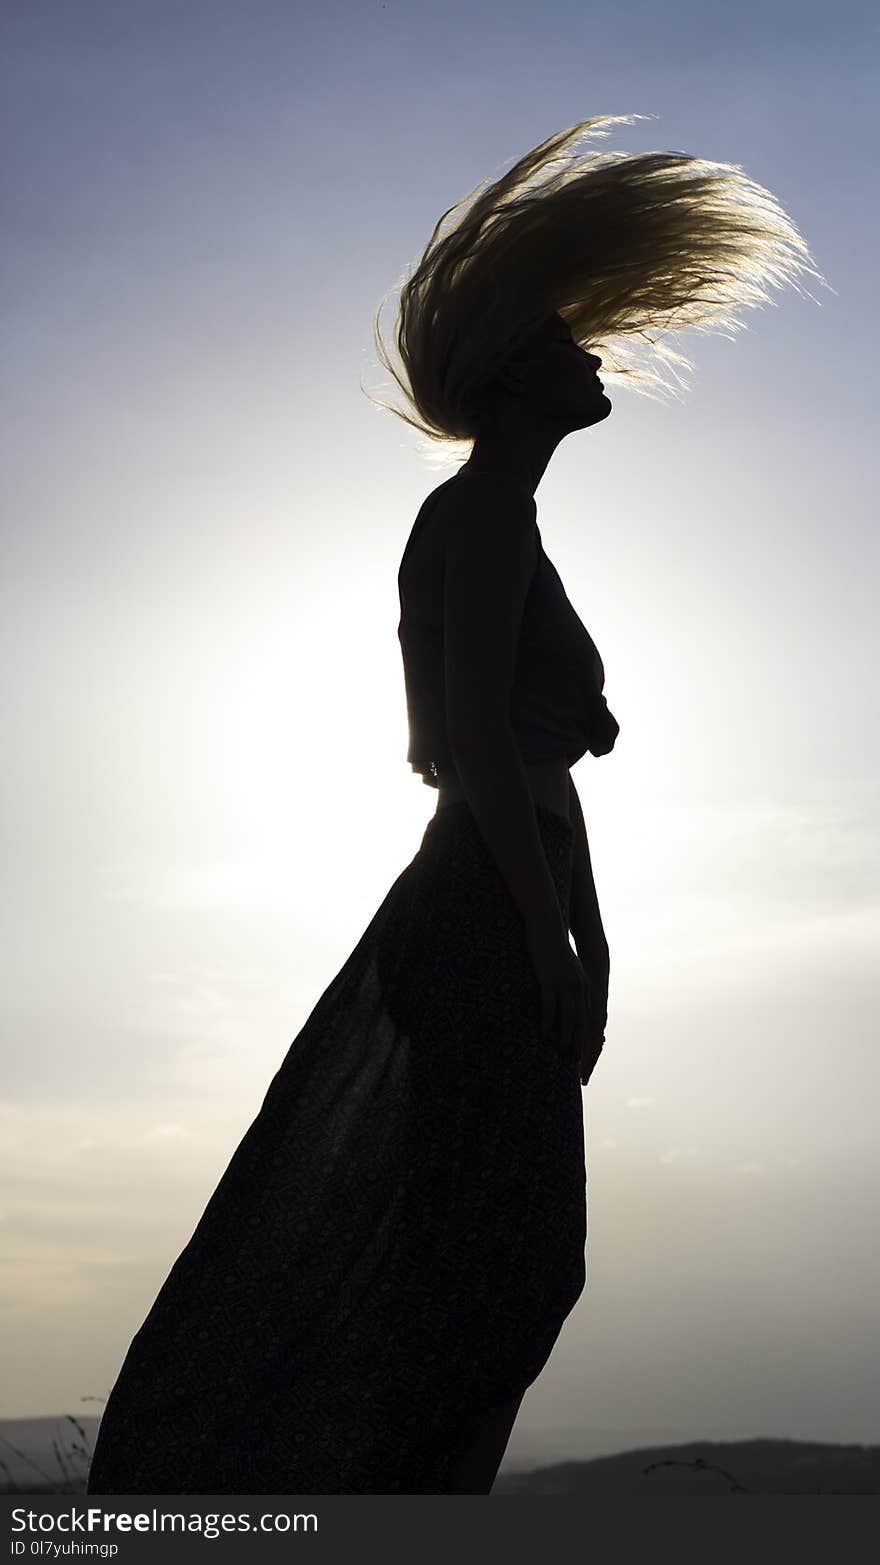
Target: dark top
column 557, row 708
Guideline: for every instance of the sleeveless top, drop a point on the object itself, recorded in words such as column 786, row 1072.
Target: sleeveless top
column 557, row 707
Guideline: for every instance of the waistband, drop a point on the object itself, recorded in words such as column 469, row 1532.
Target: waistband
column 549, row 821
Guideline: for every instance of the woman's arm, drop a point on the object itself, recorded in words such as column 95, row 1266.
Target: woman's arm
column 585, row 919
column 490, row 557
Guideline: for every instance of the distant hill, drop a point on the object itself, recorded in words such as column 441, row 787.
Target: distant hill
column 709, row 1467
column 51, row 1456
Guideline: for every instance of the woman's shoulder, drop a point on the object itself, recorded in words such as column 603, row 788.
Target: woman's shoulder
column 476, row 504
column 490, row 495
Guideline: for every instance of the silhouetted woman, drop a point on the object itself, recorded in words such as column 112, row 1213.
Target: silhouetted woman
column 391, row 1253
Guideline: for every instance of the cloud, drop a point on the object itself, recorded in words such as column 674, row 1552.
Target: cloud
column 167, row 1130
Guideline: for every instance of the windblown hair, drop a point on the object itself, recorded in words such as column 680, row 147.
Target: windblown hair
column 618, row 245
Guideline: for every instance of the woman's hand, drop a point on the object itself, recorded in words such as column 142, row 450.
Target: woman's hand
column 592, row 949
column 563, row 987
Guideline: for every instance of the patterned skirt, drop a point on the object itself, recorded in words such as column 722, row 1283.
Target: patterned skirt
column 399, row 1236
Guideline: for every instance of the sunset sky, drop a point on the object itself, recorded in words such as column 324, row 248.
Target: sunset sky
column 204, row 794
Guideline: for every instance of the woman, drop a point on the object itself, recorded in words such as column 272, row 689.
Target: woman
column 391, row 1253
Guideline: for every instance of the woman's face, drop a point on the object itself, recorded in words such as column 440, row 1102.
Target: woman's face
column 557, row 376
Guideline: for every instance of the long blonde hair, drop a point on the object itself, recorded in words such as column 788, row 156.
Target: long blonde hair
column 618, row 245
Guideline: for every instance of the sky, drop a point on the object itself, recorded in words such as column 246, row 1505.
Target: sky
column 204, row 794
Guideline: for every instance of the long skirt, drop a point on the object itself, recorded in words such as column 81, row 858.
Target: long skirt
column 400, row 1234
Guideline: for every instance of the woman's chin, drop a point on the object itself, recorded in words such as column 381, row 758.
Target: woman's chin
column 601, row 410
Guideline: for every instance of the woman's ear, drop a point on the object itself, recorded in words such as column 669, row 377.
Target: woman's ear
column 511, row 376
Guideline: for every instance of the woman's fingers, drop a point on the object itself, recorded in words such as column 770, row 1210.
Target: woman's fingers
column 565, row 1017
column 590, row 1052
